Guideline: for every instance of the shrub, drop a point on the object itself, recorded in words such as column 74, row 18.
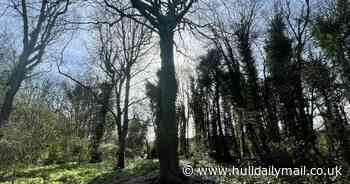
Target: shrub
column 79, row 149
column 109, row 151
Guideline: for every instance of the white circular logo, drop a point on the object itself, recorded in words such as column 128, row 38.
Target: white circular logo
column 187, row 170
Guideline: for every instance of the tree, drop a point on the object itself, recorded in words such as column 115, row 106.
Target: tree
column 136, row 137
column 153, row 94
column 182, row 121
column 104, row 97
column 211, row 79
column 298, row 26
column 331, row 33
column 319, row 76
column 122, row 46
column 82, row 108
column 233, row 35
column 42, row 24
column 244, row 36
column 164, row 17
column 101, row 93
column 279, row 66
column 118, row 50
column 6, row 58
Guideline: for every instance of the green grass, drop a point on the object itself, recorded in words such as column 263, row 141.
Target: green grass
column 133, row 169
column 73, row 173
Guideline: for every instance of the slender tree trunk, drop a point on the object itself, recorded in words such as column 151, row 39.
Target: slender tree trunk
column 243, row 136
column 124, row 132
column 225, row 155
column 231, row 130
column 271, row 115
column 97, row 137
column 168, row 143
column 121, row 152
column 100, row 123
column 182, row 129
column 213, row 131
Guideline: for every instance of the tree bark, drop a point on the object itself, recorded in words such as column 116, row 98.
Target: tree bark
column 97, row 136
column 245, row 151
column 168, row 143
column 14, row 83
column 100, row 123
column 124, row 132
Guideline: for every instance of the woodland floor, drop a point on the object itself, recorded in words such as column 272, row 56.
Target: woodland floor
column 84, row 173
column 137, row 172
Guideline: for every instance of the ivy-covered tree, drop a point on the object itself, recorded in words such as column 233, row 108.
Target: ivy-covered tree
column 279, row 67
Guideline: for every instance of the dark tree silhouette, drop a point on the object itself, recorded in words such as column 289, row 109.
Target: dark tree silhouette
column 42, row 24
column 164, row 18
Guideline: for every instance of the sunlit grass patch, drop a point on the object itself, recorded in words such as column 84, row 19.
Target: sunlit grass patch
column 133, row 169
column 71, row 173
column 74, row 173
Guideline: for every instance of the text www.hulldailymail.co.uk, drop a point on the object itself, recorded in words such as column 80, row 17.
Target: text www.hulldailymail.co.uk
column 260, row 171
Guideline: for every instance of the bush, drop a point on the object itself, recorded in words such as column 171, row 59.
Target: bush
column 13, row 152
column 8, row 155
column 79, row 149
column 109, row 151
column 141, row 167
column 76, row 150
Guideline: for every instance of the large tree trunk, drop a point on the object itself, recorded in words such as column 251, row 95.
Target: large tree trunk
column 14, row 83
column 168, row 143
